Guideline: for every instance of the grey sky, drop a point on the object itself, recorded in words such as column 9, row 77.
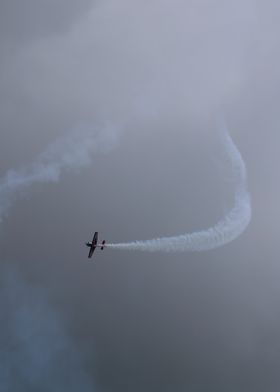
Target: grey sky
column 158, row 72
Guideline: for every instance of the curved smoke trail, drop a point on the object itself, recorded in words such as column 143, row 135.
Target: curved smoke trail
column 225, row 231
column 75, row 153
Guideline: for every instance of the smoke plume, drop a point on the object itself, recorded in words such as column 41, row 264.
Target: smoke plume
column 225, row 231
column 69, row 153
column 75, row 152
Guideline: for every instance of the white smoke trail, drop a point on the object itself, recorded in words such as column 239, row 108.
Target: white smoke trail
column 74, row 152
column 69, row 153
column 225, row 231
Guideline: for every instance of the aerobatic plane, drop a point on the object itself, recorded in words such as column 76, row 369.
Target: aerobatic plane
column 94, row 244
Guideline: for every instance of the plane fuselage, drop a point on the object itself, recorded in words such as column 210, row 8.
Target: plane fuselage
column 94, row 244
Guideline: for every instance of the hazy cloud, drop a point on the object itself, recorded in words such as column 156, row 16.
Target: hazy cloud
column 160, row 70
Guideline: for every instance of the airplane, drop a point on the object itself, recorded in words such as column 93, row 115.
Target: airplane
column 94, row 244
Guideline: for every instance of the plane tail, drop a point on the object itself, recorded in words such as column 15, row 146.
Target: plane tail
column 103, row 244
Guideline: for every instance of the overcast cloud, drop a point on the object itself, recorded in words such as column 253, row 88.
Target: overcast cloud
column 156, row 73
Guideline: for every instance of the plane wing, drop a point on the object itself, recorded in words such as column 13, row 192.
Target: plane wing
column 95, row 238
column 93, row 244
column 90, row 253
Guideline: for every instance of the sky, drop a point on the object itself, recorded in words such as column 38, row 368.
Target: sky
column 138, row 87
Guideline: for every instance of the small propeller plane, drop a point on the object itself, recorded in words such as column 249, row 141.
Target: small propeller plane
column 94, row 244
